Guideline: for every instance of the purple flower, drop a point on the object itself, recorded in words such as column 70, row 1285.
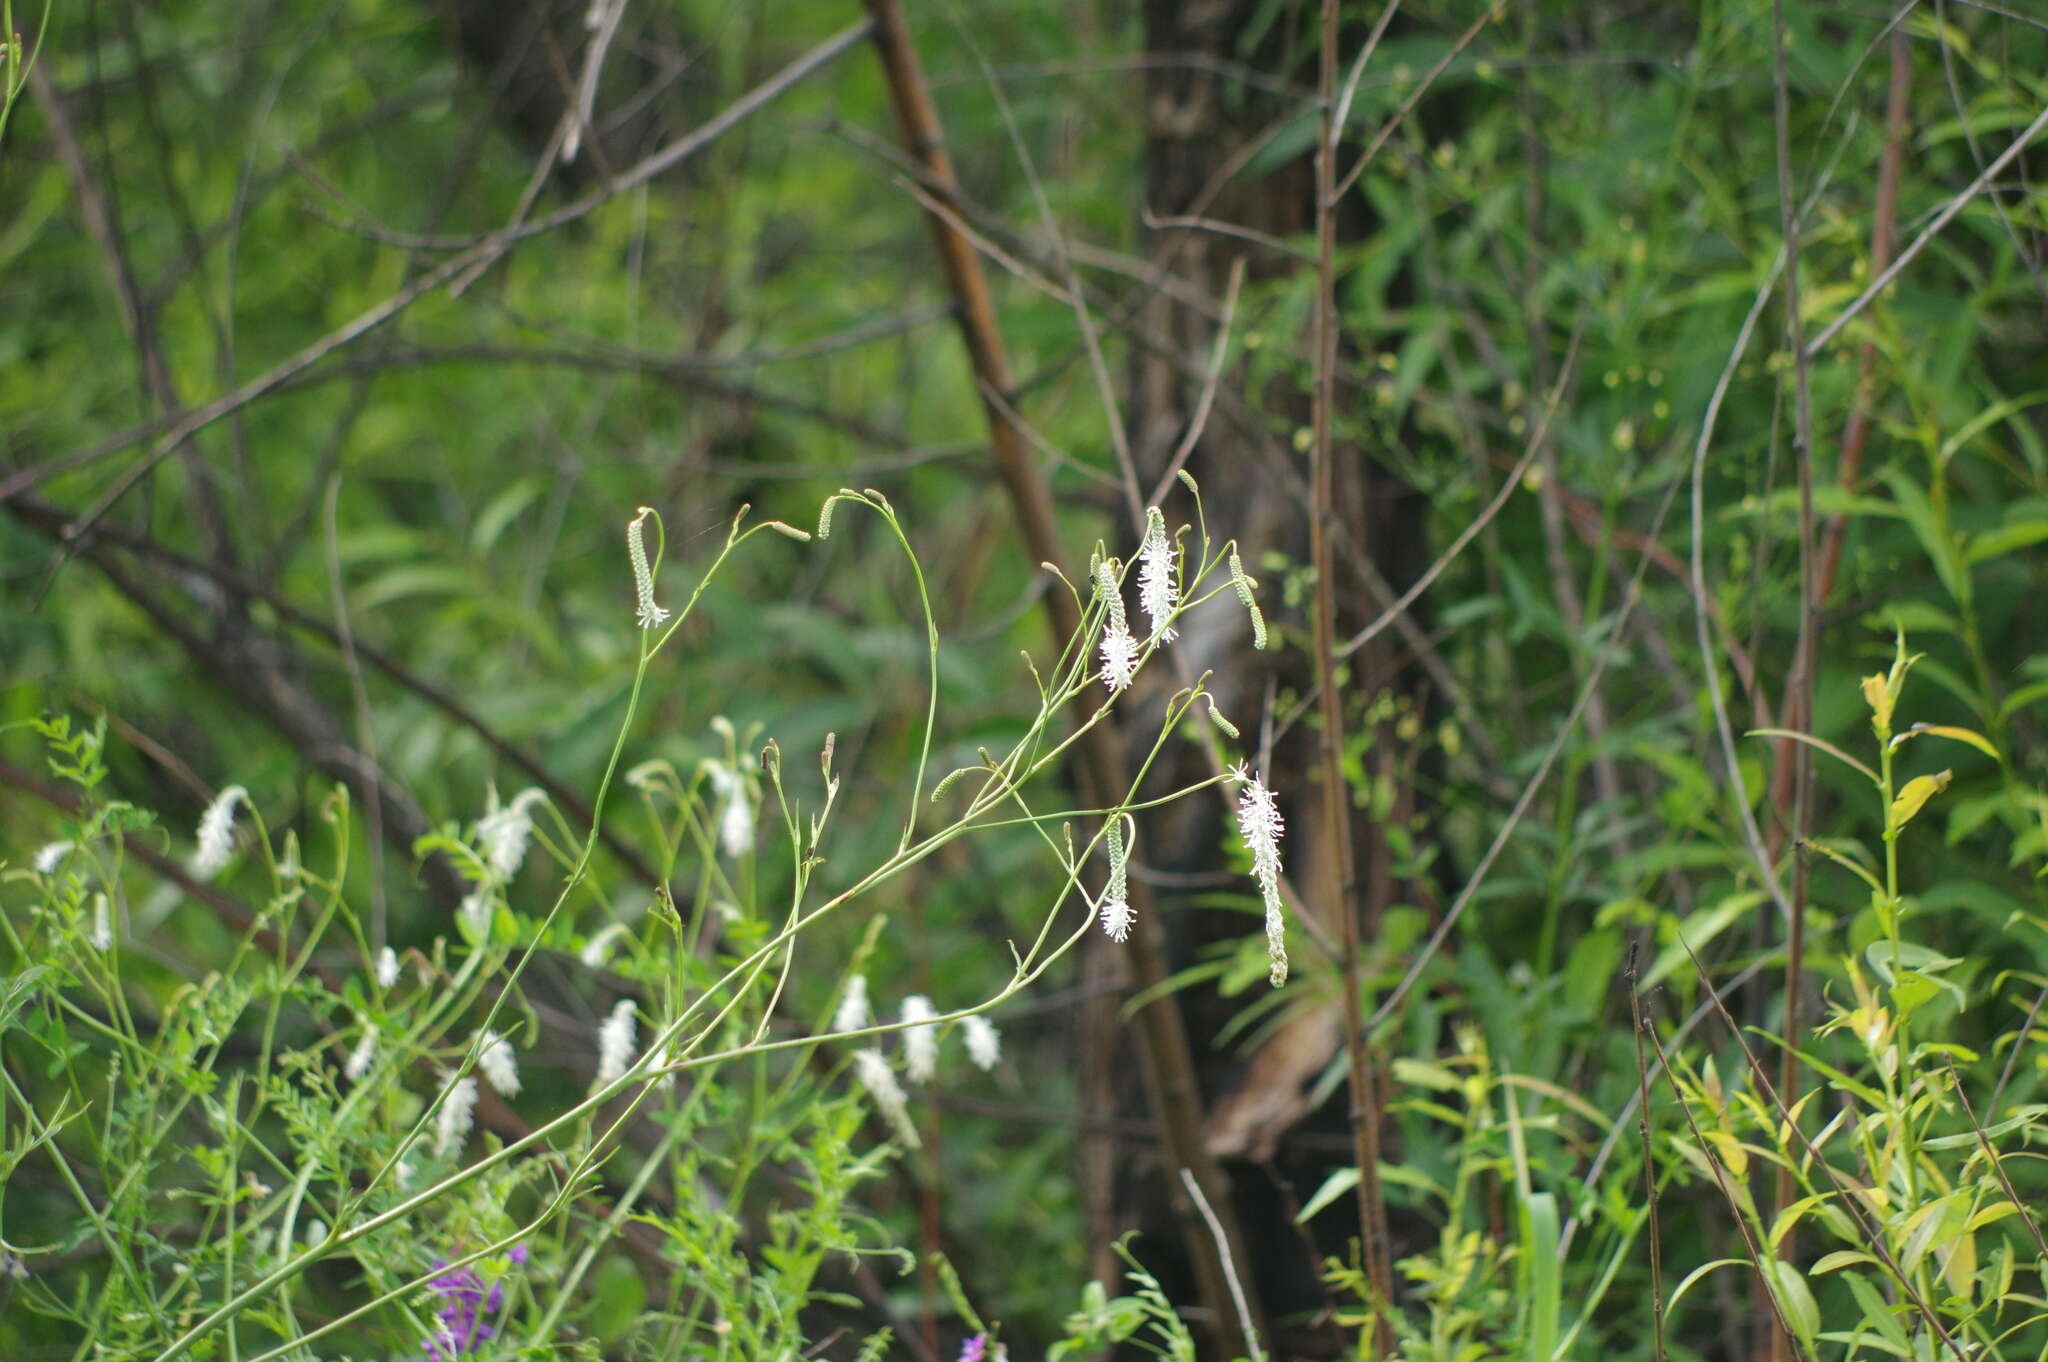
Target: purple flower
column 460, row 1322
column 974, row 1349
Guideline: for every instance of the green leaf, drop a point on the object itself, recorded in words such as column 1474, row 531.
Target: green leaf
column 1334, row 1186
column 1918, row 791
column 501, row 511
column 1929, row 528
column 1795, row 1298
column 1699, row 929
column 1878, row 1315
column 1962, row 735
column 1544, row 1274
column 1822, row 744
column 1702, row 1270
column 1840, row 1258
column 2005, row 539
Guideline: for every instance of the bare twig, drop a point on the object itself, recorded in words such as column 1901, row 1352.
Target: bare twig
column 1635, row 1008
column 1927, row 234
column 1244, row 1314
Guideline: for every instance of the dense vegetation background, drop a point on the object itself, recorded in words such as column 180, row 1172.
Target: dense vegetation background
column 339, row 343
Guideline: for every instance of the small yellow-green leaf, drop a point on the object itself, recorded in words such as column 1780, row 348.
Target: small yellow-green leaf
column 1991, row 1214
column 1839, row 1259
column 1918, row 791
column 1880, row 703
column 1976, row 740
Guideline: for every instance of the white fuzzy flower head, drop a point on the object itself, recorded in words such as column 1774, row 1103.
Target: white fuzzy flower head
column 1119, row 649
column 217, row 833
column 360, row 1058
column 920, row 1039
column 503, row 833
column 1158, row 582
column 1119, row 661
column 1117, row 916
column 736, row 820
column 880, row 1081
column 1259, row 821
column 50, row 856
column 615, row 1043
column 458, row 1111
column 984, row 1042
column 476, row 910
column 102, row 924
column 387, row 968
column 598, row 949
column 853, row 1006
column 499, row 1065
column 646, row 614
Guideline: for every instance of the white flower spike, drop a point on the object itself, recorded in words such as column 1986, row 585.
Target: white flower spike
column 615, row 1044
column 853, row 1007
column 1158, row 586
column 1119, row 649
column 360, row 1058
column 880, row 1081
column 1117, row 916
column 646, row 614
column 920, row 1039
column 736, row 819
column 1259, row 821
column 387, row 968
column 984, row 1042
column 500, row 1067
column 503, row 833
column 458, row 1111
column 217, row 833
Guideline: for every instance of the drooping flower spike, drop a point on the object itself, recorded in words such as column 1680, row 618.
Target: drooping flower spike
column 880, row 1081
column 500, row 1066
column 615, row 1043
column 458, row 1111
column 920, row 1039
column 984, row 1042
column 217, row 833
column 1259, row 822
column 1117, row 916
column 646, row 613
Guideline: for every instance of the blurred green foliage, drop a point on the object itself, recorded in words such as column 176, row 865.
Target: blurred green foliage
column 1585, row 190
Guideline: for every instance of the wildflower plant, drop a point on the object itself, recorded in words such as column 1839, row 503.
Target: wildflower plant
column 321, row 1145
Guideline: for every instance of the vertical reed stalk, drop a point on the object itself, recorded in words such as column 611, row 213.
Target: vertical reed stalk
column 1799, row 699
column 1365, row 1103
